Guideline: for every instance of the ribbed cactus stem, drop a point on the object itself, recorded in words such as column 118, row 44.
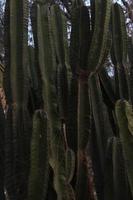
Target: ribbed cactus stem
column 48, row 65
column 17, row 130
column 97, row 108
column 83, row 116
column 124, row 117
column 120, row 183
column 16, row 49
column 100, row 35
column 119, row 36
column 38, row 179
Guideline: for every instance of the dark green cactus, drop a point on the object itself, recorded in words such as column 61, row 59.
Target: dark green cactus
column 116, row 181
column 39, row 166
column 48, row 69
column 59, row 32
column 108, row 175
column 120, row 181
column 62, row 137
column 130, row 50
column 124, row 117
column 100, row 34
column 35, row 99
column 120, row 49
column 70, row 164
column 17, row 131
column 97, row 107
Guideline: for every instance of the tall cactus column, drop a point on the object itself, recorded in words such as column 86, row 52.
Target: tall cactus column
column 48, row 66
column 124, row 116
column 119, row 52
column 83, row 136
column 17, row 131
column 83, row 105
column 39, row 167
column 98, row 52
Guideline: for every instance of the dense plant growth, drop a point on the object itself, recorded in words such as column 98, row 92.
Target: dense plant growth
column 67, row 130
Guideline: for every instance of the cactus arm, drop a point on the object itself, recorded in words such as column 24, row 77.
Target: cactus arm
column 58, row 25
column 48, row 68
column 18, row 117
column 121, row 187
column 70, row 164
column 38, row 178
column 126, row 139
column 106, row 50
column 18, row 42
column 74, row 41
column 16, row 54
column 58, row 22
column 106, row 83
column 83, row 117
column 84, row 37
column 106, row 43
column 116, row 33
column 83, row 137
column 35, row 82
column 71, row 132
column 97, row 107
column 119, row 36
column 98, row 41
column 108, row 173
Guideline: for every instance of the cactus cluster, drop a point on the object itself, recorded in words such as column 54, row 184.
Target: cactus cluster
column 67, row 132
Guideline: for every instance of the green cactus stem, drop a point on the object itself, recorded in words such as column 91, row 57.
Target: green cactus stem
column 17, row 131
column 39, row 167
column 123, row 113
column 119, row 36
column 48, row 65
column 120, row 183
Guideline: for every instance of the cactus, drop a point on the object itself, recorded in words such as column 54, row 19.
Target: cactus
column 70, row 164
column 124, row 113
column 61, row 102
column 97, row 107
column 35, row 99
column 17, row 131
column 2, row 152
column 38, row 179
column 59, row 32
column 48, row 69
column 116, row 181
column 130, row 50
column 1, row 74
column 108, row 176
column 120, row 49
column 100, row 35
column 121, row 187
